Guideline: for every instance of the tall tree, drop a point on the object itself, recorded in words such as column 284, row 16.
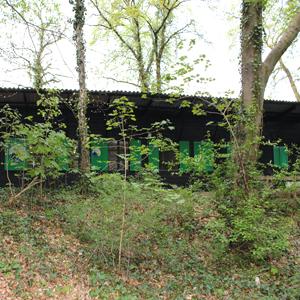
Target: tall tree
column 78, row 23
column 145, row 31
column 255, row 72
column 42, row 24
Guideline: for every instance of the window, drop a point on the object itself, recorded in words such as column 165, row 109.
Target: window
column 280, row 156
column 99, row 155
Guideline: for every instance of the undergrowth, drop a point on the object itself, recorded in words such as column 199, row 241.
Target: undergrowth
column 176, row 244
column 160, row 224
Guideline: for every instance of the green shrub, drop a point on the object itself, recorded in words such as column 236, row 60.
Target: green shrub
column 49, row 152
column 160, row 224
column 253, row 223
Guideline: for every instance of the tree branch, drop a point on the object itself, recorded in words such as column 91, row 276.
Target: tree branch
column 122, row 81
column 110, row 26
column 171, row 36
column 282, row 45
column 290, row 78
column 28, row 23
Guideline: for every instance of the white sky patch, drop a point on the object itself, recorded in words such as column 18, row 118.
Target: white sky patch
column 218, row 46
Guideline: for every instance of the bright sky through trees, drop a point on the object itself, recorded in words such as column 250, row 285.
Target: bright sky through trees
column 215, row 20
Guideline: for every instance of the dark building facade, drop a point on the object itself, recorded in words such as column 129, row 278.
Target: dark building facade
column 281, row 122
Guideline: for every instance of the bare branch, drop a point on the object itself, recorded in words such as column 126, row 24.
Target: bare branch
column 176, row 33
column 28, row 23
column 122, row 81
column 290, row 78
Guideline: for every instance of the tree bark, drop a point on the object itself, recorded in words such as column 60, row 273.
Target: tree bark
column 38, row 70
column 158, row 75
column 255, row 73
column 251, row 69
column 255, row 76
column 84, row 160
column 159, row 50
column 143, row 76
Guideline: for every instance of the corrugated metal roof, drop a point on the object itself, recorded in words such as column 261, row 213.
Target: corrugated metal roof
column 129, row 93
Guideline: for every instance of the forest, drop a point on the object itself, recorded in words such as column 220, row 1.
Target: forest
column 138, row 160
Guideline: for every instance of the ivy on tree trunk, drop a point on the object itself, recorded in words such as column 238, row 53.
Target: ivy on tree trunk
column 79, row 20
column 255, row 75
column 255, row 72
column 251, row 69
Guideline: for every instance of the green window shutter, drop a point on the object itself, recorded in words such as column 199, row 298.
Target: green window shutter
column 184, row 152
column 135, row 155
column 276, row 156
column 208, row 150
column 280, row 156
column 153, row 157
column 284, row 157
column 99, row 155
column 15, row 154
column 204, row 153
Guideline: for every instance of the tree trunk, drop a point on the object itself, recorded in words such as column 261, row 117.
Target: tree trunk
column 255, row 76
column 84, row 160
column 251, row 69
column 158, row 75
column 38, row 70
column 143, row 76
column 159, row 56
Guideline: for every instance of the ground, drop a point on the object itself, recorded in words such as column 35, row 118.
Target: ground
column 40, row 260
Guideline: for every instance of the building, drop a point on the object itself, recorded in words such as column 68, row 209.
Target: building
column 281, row 123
